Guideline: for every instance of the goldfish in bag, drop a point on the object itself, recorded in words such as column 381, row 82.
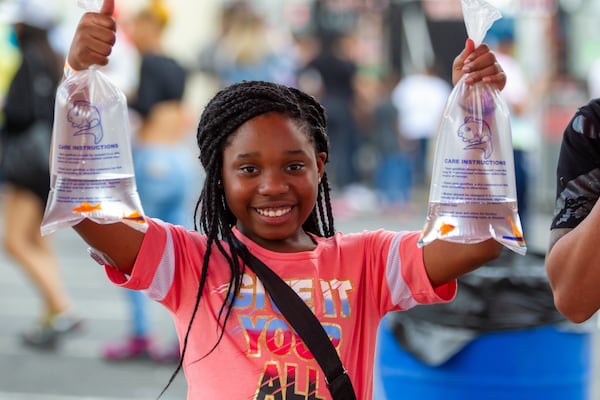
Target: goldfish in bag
column 473, row 190
column 91, row 164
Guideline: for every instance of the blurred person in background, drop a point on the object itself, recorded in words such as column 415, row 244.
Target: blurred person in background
column 331, row 76
column 164, row 171
column 30, row 98
column 593, row 79
column 420, row 99
column 392, row 178
column 247, row 48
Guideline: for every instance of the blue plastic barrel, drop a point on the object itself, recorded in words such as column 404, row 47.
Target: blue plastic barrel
column 543, row 363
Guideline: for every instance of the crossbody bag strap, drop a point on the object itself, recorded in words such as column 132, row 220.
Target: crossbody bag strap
column 307, row 326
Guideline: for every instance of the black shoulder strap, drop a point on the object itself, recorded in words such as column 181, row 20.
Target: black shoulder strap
column 307, row 326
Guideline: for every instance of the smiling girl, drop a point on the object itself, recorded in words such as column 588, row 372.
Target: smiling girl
column 264, row 148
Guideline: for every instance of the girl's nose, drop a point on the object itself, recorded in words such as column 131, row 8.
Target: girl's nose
column 273, row 183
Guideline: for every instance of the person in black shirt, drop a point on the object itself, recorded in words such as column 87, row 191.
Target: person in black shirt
column 573, row 260
column 336, row 71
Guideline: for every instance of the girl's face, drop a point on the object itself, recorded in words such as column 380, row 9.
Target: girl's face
column 271, row 174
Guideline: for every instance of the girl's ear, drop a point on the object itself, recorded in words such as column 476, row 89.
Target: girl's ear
column 321, row 160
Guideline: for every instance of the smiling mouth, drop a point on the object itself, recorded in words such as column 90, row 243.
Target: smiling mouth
column 273, row 212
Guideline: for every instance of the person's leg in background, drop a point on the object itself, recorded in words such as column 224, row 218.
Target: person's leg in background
column 176, row 206
column 393, row 181
column 139, row 343
column 34, row 254
column 419, row 167
column 163, row 174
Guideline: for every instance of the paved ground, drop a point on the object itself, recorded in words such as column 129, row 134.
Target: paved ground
column 75, row 371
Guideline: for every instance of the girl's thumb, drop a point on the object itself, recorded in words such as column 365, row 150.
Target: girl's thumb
column 108, row 7
column 470, row 45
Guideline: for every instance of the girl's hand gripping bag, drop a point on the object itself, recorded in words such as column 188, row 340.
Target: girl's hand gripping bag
column 473, row 192
column 91, row 165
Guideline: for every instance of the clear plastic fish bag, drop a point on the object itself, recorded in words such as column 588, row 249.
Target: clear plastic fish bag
column 473, row 191
column 90, row 5
column 91, row 164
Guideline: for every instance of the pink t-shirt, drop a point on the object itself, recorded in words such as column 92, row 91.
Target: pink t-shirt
column 349, row 281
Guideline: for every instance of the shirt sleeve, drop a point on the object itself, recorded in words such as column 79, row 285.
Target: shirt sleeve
column 406, row 277
column 578, row 170
column 150, row 257
column 414, row 274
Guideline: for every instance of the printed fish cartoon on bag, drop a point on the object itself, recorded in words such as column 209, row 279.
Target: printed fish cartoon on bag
column 85, row 117
column 477, row 133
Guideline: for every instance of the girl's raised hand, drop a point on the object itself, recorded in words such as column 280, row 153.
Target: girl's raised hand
column 94, row 38
column 479, row 64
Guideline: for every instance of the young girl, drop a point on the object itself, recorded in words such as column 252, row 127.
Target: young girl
column 264, row 148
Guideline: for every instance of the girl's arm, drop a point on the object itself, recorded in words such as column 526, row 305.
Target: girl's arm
column 91, row 45
column 118, row 242
column 445, row 261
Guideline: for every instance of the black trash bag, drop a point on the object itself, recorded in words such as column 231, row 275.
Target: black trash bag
column 511, row 293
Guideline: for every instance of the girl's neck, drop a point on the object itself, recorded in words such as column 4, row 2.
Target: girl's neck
column 303, row 241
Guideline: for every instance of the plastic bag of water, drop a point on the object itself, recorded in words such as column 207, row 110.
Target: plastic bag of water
column 91, row 165
column 473, row 191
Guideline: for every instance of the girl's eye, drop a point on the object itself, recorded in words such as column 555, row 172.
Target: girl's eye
column 296, row 167
column 248, row 169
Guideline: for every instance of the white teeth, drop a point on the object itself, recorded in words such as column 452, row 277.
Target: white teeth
column 273, row 212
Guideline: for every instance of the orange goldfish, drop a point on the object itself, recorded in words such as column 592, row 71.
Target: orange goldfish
column 446, row 228
column 86, row 207
column 135, row 217
column 517, row 235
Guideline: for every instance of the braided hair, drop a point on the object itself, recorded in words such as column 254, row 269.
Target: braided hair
column 223, row 115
